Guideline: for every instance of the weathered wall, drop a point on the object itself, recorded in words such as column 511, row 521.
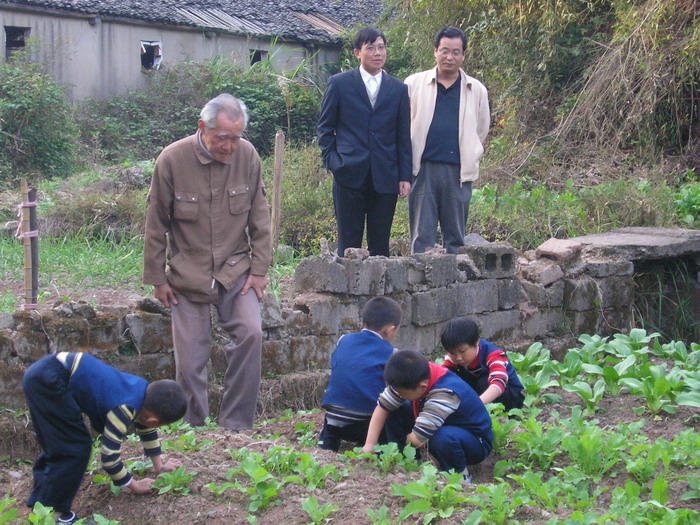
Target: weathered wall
column 103, row 59
column 516, row 300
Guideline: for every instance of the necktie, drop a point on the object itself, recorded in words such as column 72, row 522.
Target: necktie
column 372, row 89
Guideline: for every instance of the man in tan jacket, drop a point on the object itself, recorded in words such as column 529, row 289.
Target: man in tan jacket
column 449, row 122
column 208, row 242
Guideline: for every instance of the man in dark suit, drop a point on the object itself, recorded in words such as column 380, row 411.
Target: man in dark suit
column 365, row 140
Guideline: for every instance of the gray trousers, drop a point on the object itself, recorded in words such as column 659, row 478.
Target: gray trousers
column 239, row 315
column 437, row 195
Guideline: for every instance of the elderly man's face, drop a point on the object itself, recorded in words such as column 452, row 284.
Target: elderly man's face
column 222, row 140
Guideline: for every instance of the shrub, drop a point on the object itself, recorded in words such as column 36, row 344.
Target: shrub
column 37, row 130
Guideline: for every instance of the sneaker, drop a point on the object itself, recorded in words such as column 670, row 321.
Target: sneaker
column 468, row 479
column 70, row 517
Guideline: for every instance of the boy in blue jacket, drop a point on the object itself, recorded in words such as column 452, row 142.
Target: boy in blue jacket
column 59, row 389
column 485, row 367
column 431, row 408
column 357, row 367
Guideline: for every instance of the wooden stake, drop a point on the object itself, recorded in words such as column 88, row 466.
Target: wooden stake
column 31, row 246
column 277, row 188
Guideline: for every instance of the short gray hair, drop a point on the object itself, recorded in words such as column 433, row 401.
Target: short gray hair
column 234, row 108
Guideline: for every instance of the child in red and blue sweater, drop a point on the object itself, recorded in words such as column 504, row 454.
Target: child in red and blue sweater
column 484, row 366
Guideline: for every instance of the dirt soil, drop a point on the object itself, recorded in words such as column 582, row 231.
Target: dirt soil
column 365, row 487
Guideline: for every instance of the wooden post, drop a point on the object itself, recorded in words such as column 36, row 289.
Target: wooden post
column 277, row 188
column 31, row 246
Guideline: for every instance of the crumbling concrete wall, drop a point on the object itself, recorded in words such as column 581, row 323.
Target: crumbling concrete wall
column 554, row 294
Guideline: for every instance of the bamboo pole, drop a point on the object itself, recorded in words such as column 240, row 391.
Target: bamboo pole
column 277, row 188
column 30, row 244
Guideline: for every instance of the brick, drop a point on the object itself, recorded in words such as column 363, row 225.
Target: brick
column 475, row 297
column 317, row 274
column 607, row 268
column 581, row 295
column 494, row 261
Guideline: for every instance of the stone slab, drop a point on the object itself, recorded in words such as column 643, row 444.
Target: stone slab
column 639, row 243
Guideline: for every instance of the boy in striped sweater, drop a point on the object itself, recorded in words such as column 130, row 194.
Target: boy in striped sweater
column 59, row 389
column 483, row 365
column 429, row 407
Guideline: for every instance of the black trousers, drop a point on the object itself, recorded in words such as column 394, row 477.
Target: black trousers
column 355, row 206
column 64, row 440
column 511, row 398
column 331, row 436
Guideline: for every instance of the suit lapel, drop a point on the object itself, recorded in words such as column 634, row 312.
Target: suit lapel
column 383, row 89
column 359, row 86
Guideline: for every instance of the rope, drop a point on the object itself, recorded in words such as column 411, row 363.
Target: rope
column 20, row 219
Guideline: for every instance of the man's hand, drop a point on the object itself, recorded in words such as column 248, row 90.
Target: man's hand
column 257, row 283
column 168, row 465
column 164, row 294
column 404, row 189
column 141, row 486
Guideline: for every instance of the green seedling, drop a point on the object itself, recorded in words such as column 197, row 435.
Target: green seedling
column 101, row 520
column 41, row 515
column 594, row 451
column 101, row 479
column 186, row 443
column 307, row 435
column 537, row 445
column 176, row 482
column 388, row 457
column 546, row 494
column 613, row 374
column 430, row 496
column 591, row 396
column 638, row 340
column 569, row 369
column 535, row 386
column 318, row 514
column 8, row 513
column 654, row 387
column 380, row 517
column 502, row 425
column 535, row 358
column 497, row 502
column 694, row 485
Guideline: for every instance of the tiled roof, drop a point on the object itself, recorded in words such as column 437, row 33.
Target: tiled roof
column 305, row 20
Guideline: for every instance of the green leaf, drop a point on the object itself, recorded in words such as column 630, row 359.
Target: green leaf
column 659, row 491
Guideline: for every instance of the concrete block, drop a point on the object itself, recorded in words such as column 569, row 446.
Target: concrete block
column 468, row 270
column 396, row 275
column 152, row 367
column 7, row 322
column 424, row 339
column 555, row 294
column 440, row 270
column 607, row 268
column 11, row 392
column 615, row 321
column 495, row 261
column 616, row 292
column 586, row 322
column 433, row 306
column 534, row 294
column 499, row 326
column 271, row 312
column 508, row 293
column 542, row 323
column 416, row 276
column 542, row 271
column 298, row 353
column 320, row 274
column 475, row 297
column 150, row 333
column 558, row 249
column 106, row 331
column 365, row 277
column 68, row 334
column 581, row 294
column 326, row 312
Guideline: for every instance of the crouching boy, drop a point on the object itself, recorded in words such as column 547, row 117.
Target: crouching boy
column 59, row 389
column 357, row 368
column 443, row 413
column 484, row 366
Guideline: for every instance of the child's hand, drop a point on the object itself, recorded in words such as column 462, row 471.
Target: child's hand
column 169, row 465
column 141, row 486
column 413, row 440
column 368, row 449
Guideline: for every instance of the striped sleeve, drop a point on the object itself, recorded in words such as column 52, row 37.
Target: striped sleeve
column 149, row 440
column 439, row 404
column 116, row 428
column 389, row 399
column 498, row 373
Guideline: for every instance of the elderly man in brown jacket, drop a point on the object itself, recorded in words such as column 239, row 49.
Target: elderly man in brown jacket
column 208, row 220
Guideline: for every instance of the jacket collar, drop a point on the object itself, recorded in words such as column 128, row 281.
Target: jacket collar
column 432, row 77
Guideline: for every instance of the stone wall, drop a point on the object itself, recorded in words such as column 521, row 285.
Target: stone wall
column 561, row 290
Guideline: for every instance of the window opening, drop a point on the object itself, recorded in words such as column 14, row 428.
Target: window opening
column 257, row 55
column 151, row 54
column 15, row 39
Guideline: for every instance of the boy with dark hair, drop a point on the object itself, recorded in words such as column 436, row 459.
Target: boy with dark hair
column 443, row 415
column 484, row 366
column 357, row 365
column 59, row 389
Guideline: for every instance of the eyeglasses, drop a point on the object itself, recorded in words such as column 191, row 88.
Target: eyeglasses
column 372, row 48
column 456, row 53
